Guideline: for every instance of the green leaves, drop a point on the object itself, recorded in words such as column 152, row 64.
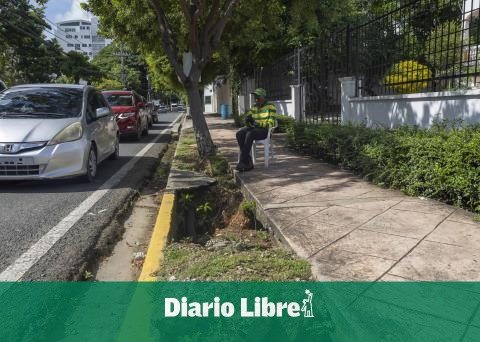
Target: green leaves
column 130, row 74
column 442, row 162
column 25, row 55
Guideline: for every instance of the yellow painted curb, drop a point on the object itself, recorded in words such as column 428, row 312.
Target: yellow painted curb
column 159, row 239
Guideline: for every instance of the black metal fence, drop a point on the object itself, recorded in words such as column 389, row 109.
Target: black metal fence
column 420, row 46
column 426, row 45
column 278, row 77
column 321, row 66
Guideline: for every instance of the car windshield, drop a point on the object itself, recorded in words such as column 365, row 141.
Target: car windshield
column 119, row 100
column 41, row 102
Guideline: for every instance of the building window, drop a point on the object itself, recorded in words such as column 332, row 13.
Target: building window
column 68, row 36
column 70, row 45
column 84, row 45
column 86, row 37
column 208, row 100
column 89, row 45
column 76, row 36
column 69, row 30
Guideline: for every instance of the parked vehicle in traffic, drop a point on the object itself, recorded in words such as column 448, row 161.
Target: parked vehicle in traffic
column 130, row 111
column 55, row 131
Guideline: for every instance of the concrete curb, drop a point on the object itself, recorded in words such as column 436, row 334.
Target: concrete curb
column 159, row 238
column 262, row 215
column 162, row 228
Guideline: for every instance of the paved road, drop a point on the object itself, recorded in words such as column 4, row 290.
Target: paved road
column 37, row 237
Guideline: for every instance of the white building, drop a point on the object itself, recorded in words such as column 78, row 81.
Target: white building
column 80, row 35
column 215, row 95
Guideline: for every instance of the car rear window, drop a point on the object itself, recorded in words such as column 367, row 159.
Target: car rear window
column 119, row 100
column 39, row 101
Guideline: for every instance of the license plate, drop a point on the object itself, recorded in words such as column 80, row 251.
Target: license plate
column 16, row 161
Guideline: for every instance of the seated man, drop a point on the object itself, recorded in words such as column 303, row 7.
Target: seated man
column 258, row 120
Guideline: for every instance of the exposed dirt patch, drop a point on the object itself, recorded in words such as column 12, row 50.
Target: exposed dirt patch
column 228, row 243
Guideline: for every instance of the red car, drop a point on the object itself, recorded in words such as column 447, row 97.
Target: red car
column 129, row 108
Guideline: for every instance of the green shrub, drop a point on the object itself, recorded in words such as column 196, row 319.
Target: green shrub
column 408, row 77
column 284, row 122
column 442, row 162
column 249, row 209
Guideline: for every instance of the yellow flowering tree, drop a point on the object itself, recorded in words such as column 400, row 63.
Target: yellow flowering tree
column 408, row 76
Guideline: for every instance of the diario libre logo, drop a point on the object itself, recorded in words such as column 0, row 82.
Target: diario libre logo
column 261, row 307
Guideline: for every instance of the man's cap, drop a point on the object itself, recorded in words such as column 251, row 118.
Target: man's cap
column 260, row 92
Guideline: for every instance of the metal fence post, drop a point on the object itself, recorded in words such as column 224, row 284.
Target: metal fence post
column 348, row 50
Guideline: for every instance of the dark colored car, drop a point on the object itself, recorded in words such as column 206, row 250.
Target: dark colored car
column 131, row 113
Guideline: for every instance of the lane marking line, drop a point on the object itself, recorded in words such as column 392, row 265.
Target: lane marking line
column 28, row 259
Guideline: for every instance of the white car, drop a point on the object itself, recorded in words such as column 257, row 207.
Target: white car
column 55, row 131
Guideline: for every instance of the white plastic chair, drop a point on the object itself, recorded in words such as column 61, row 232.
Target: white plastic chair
column 267, row 147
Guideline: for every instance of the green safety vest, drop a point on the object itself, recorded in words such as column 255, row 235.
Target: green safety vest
column 263, row 116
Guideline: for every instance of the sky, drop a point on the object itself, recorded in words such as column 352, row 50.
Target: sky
column 58, row 10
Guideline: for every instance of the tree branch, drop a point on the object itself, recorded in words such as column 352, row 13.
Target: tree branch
column 168, row 42
column 213, row 33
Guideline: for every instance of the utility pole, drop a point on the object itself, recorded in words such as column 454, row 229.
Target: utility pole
column 149, row 88
column 123, row 72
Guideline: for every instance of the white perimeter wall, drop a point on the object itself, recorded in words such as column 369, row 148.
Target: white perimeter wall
column 284, row 107
column 413, row 109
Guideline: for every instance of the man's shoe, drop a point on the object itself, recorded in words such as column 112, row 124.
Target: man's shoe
column 243, row 167
column 240, row 167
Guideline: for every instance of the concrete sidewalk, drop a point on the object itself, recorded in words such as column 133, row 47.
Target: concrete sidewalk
column 350, row 229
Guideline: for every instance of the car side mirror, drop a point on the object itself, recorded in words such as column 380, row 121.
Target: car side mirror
column 141, row 104
column 102, row 112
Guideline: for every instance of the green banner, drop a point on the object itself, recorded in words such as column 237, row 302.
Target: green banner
column 191, row 311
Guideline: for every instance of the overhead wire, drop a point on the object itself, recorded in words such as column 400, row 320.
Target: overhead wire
column 39, row 39
column 51, row 32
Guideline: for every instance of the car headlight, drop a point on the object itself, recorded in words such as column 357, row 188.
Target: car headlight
column 70, row 133
column 126, row 115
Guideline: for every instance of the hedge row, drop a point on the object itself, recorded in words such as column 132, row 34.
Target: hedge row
column 442, row 162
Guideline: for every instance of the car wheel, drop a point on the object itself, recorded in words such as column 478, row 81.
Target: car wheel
column 91, row 165
column 116, row 153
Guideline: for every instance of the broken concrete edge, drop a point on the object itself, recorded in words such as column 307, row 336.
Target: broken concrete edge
column 186, row 180
column 267, row 220
column 164, row 225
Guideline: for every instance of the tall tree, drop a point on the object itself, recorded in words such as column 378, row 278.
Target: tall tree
column 77, row 66
column 21, row 25
column 121, row 64
column 177, row 28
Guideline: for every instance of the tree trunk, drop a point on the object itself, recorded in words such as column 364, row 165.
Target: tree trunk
column 202, row 133
column 235, row 86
